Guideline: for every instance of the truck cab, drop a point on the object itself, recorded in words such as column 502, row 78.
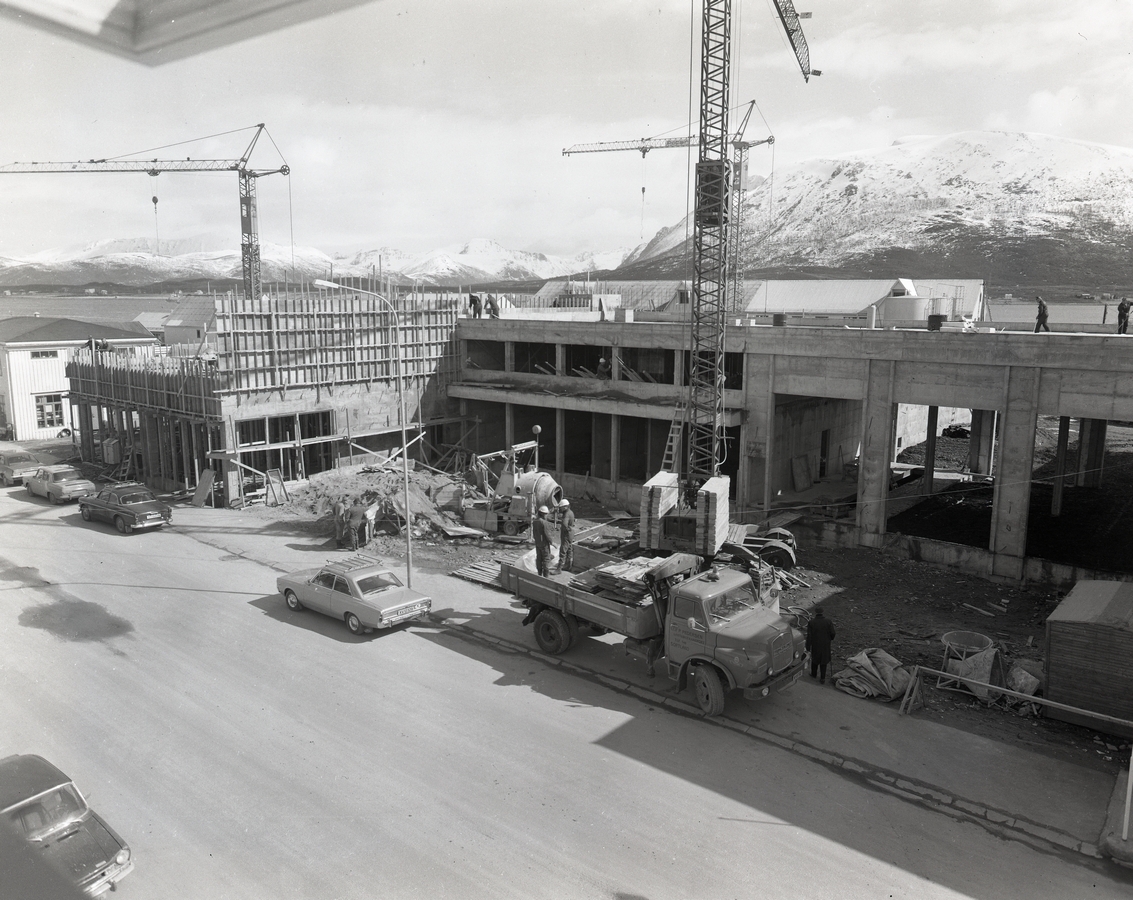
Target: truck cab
column 724, row 632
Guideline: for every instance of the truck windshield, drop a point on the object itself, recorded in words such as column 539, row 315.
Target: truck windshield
column 729, row 605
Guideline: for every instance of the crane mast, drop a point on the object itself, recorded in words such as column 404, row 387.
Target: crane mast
column 249, row 222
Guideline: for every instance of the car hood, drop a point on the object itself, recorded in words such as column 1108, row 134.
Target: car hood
column 82, row 849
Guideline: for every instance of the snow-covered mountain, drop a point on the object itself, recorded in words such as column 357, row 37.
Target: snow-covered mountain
column 1003, row 206
column 131, row 261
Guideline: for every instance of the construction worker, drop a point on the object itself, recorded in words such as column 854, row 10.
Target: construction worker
column 339, row 520
column 540, row 531
column 474, row 305
column 604, row 369
column 493, row 307
column 566, row 536
column 1041, row 315
column 355, row 522
column 1123, row 315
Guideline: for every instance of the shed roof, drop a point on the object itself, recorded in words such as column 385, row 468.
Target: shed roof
column 38, row 330
column 193, row 312
column 1108, row 603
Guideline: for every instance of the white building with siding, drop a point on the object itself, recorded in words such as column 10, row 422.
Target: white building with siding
column 33, row 359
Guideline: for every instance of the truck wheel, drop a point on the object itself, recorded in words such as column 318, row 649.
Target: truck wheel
column 778, row 554
column 292, row 600
column 572, row 631
column 709, row 690
column 509, row 528
column 551, row 632
column 85, row 512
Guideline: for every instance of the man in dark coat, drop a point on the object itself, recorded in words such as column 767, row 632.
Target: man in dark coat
column 474, row 305
column 355, row 522
column 819, row 635
column 1041, row 315
column 339, row 520
column 542, row 535
column 1123, row 315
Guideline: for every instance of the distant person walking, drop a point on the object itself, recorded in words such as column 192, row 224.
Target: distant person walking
column 474, row 305
column 1123, row 315
column 819, row 636
column 1041, row 316
column 339, row 520
column 566, row 537
column 355, row 522
column 540, row 531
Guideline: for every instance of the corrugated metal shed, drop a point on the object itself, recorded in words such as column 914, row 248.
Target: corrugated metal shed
column 1089, row 653
column 830, row 298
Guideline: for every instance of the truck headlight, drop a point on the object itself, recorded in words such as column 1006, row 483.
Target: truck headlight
column 123, row 856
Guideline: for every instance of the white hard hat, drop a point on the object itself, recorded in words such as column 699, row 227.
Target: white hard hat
column 564, row 503
column 543, row 511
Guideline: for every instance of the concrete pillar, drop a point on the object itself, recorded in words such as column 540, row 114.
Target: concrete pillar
column 930, row 450
column 1091, row 452
column 86, row 433
column 1060, row 466
column 615, row 453
column 509, row 425
column 151, row 452
column 758, row 433
column 509, row 356
column 1012, row 502
column 877, row 447
column 560, row 359
column 560, row 440
column 982, row 442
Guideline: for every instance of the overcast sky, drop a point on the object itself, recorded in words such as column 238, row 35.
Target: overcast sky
column 424, row 124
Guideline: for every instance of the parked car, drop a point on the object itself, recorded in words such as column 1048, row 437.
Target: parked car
column 129, row 506
column 58, row 483
column 15, row 465
column 43, row 805
column 359, row 590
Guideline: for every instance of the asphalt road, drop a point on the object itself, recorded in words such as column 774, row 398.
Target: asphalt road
column 246, row 751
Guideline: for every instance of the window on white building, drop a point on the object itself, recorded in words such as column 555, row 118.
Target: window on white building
column 45, row 354
column 49, row 410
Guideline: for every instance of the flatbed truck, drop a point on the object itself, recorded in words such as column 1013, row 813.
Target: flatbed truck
column 719, row 629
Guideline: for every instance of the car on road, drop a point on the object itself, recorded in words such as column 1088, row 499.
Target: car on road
column 44, row 805
column 15, row 465
column 58, row 483
column 130, row 507
column 360, row 590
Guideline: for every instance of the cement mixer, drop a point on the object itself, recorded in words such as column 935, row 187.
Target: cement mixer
column 514, row 497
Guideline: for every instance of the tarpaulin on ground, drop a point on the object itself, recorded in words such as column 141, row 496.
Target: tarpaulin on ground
column 873, row 673
column 986, row 667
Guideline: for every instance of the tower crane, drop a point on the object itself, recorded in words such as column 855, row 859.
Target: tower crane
column 249, row 225
column 690, row 517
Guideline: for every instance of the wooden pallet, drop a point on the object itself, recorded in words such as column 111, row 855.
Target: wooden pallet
column 481, row 573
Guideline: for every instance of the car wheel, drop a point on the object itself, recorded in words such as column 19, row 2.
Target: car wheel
column 122, row 526
column 85, row 512
column 292, row 600
column 709, row 690
column 551, row 632
column 27, row 484
column 354, row 623
column 56, row 499
column 4, row 478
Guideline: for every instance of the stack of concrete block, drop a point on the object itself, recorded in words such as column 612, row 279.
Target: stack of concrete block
column 659, row 495
column 712, row 515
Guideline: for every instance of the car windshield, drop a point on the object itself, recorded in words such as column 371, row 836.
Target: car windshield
column 729, row 605
column 137, row 497
column 48, row 812
column 378, row 582
column 17, row 458
column 69, row 475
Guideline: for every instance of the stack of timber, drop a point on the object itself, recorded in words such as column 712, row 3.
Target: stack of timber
column 1089, row 654
column 619, row 580
column 712, row 515
column 659, row 495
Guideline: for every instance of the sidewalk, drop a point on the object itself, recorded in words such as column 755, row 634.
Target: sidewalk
column 1010, row 791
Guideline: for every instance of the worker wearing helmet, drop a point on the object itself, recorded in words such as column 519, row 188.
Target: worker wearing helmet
column 604, row 369
column 541, row 531
column 566, row 536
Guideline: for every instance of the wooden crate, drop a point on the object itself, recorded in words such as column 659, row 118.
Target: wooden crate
column 1089, row 654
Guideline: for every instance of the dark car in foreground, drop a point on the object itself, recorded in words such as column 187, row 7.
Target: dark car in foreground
column 44, row 805
column 58, row 483
column 16, row 464
column 129, row 507
column 360, row 591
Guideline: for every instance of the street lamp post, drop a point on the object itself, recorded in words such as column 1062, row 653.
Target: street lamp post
column 330, row 285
